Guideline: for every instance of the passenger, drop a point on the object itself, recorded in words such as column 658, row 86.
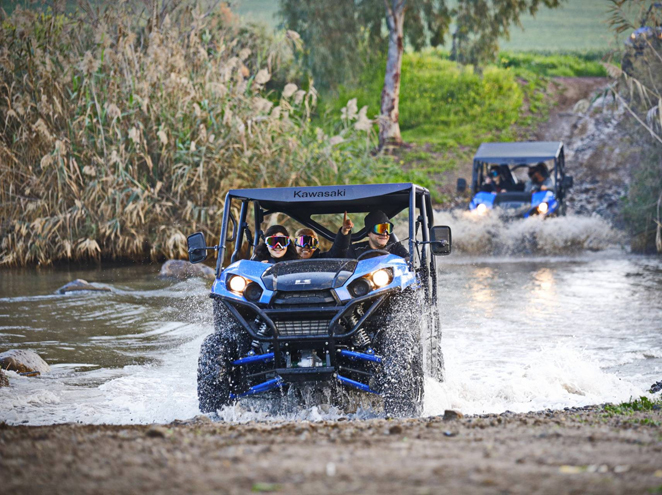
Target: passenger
column 276, row 246
column 379, row 237
column 307, row 243
column 539, row 179
column 494, row 182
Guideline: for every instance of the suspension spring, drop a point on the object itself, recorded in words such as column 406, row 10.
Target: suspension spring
column 256, row 345
column 360, row 338
column 355, row 317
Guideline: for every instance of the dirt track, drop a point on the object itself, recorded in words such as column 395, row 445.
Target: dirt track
column 575, row 451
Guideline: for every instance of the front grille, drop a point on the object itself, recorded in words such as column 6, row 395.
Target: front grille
column 303, row 298
column 513, row 205
column 512, row 198
column 300, row 328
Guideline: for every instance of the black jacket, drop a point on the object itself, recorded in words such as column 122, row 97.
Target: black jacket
column 338, row 249
column 396, row 248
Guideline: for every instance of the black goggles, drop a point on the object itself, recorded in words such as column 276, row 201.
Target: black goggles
column 277, row 240
column 307, row 241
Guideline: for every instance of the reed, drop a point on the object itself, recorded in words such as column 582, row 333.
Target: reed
column 121, row 132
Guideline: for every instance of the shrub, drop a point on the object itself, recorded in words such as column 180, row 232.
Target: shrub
column 122, row 133
column 445, row 103
column 550, row 64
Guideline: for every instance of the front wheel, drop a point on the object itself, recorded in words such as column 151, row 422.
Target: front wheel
column 217, row 377
column 399, row 343
column 214, row 367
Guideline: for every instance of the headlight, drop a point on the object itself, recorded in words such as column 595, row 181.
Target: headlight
column 481, row 209
column 253, row 292
column 360, row 287
column 542, row 208
column 237, row 284
column 381, row 278
column 375, row 280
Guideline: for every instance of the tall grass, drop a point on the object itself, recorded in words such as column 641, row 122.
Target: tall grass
column 120, row 134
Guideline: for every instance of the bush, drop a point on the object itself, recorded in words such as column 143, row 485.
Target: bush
column 641, row 209
column 445, row 103
column 123, row 133
column 569, row 64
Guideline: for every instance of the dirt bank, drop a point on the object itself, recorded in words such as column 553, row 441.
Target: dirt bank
column 573, row 451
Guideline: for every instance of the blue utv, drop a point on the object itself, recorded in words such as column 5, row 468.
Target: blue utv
column 501, row 179
column 336, row 323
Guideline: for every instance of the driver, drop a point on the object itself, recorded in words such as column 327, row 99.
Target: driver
column 539, row 179
column 379, row 237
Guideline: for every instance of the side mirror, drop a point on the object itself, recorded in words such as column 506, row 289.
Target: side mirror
column 440, row 237
column 461, row 185
column 197, row 247
column 568, row 182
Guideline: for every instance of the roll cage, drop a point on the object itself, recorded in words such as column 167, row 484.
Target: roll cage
column 510, row 156
column 302, row 203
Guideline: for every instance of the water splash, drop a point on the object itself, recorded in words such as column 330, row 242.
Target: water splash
column 493, row 235
column 551, row 378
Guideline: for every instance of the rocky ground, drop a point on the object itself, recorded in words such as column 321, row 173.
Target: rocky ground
column 573, row 451
column 598, row 153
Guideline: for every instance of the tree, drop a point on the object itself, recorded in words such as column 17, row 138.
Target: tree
column 389, row 116
column 479, row 24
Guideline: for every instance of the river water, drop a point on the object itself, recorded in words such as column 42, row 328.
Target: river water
column 521, row 331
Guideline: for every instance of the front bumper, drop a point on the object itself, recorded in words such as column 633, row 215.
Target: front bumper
column 321, row 332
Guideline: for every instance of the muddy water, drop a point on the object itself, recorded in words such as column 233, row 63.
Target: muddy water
column 521, row 332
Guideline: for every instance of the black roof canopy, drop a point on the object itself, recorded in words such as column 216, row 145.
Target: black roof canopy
column 518, row 153
column 306, row 201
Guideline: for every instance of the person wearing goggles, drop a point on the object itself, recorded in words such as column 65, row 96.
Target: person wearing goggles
column 307, row 243
column 380, row 231
column 276, row 247
column 494, row 181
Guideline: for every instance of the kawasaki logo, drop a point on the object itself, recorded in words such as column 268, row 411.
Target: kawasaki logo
column 338, row 193
column 305, row 281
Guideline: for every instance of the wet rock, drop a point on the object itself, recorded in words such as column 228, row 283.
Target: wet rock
column 450, row 415
column 395, row 430
column 80, row 285
column 196, row 420
column 156, row 432
column 581, row 106
column 181, row 270
column 22, row 361
column 3, row 379
column 656, row 387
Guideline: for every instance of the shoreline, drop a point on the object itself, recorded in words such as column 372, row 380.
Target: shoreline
column 591, row 449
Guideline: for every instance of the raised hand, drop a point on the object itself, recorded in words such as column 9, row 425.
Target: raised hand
column 347, row 225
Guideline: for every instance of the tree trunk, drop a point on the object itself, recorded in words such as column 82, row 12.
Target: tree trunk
column 389, row 127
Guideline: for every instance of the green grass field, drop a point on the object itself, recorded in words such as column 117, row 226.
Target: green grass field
column 578, row 25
